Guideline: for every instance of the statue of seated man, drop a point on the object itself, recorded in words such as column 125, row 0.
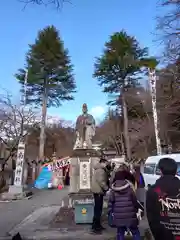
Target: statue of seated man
column 85, row 129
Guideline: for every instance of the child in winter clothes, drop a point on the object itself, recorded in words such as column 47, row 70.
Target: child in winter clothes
column 123, row 206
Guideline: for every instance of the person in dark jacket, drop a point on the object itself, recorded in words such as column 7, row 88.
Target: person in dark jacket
column 163, row 203
column 99, row 187
column 108, row 171
column 140, row 191
column 138, row 176
column 123, row 206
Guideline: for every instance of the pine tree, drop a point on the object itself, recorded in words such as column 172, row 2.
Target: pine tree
column 116, row 70
column 50, row 79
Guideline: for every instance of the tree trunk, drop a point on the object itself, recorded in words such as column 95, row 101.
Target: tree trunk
column 126, row 130
column 43, row 125
column 2, row 178
column 122, row 144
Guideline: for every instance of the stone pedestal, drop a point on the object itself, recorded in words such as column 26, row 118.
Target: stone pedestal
column 14, row 193
column 81, row 198
column 16, row 189
column 81, row 169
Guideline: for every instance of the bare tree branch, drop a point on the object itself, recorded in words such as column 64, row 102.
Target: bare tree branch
column 57, row 3
column 168, row 26
column 15, row 123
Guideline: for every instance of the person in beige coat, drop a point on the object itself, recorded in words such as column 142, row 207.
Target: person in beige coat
column 99, row 187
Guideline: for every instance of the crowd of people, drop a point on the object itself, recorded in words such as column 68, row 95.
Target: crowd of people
column 126, row 199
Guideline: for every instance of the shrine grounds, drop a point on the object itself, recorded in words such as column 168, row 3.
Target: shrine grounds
column 12, row 213
column 39, row 218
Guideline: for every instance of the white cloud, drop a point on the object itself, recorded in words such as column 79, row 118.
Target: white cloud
column 98, row 111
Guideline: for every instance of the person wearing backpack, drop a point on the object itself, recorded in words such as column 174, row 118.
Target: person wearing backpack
column 163, row 203
column 123, row 207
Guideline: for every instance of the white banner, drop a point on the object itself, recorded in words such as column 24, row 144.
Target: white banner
column 58, row 164
column 85, row 175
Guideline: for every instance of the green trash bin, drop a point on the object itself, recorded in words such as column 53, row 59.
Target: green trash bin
column 84, row 211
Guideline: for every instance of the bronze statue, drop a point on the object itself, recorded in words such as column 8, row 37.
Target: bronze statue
column 85, row 129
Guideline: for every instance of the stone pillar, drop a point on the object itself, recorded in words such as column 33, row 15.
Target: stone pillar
column 81, row 170
column 17, row 191
column 74, row 175
column 18, row 178
column 81, row 198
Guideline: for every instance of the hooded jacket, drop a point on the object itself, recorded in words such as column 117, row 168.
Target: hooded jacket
column 163, row 208
column 123, row 204
column 99, row 179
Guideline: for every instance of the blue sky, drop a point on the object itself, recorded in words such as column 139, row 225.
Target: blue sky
column 84, row 26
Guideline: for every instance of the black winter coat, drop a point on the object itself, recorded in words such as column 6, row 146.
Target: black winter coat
column 163, row 208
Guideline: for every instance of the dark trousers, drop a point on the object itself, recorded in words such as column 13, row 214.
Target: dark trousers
column 135, row 233
column 98, row 207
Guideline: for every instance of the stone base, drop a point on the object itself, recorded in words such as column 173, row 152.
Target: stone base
column 65, row 220
column 81, row 194
column 16, row 189
column 79, row 156
column 16, row 193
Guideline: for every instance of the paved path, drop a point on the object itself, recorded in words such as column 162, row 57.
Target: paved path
column 30, row 216
column 12, row 213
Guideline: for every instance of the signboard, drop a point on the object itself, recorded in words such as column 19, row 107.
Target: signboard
column 58, row 164
column 84, row 201
column 85, row 175
column 18, row 179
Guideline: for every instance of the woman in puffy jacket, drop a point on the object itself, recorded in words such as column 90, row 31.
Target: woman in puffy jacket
column 123, row 206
